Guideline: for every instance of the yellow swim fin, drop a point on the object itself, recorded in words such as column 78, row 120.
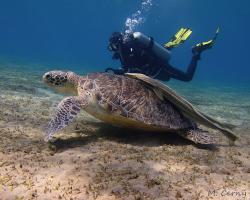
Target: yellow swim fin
column 181, row 36
column 198, row 48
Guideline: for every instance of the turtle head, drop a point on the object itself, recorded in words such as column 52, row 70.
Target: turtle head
column 65, row 82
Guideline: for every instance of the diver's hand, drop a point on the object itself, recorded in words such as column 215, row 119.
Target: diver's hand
column 114, row 71
column 109, row 70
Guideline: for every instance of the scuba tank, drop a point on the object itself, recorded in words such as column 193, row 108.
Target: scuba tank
column 148, row 43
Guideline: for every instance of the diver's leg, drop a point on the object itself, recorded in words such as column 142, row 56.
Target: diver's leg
column 180, row 75
column 199, row 48
column 188, row 75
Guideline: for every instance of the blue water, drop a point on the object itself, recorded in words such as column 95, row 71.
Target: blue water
column 37, row 36
column 75, row 33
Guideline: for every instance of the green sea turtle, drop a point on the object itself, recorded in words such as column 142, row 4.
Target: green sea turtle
column 132, row 101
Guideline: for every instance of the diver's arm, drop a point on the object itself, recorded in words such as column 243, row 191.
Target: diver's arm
column 180, row 75
column 117, row 56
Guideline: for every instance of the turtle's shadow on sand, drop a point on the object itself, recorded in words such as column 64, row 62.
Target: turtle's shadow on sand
column 125, row 136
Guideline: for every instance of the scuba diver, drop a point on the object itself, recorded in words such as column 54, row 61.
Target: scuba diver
column 141, row 54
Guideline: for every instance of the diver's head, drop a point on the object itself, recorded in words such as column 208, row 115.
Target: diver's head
column 115, row 41
column 64, row 82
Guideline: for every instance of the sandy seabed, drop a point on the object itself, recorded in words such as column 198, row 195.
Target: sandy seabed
column 91, row 160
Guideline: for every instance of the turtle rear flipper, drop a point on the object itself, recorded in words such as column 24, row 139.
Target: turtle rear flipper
column 198, row 136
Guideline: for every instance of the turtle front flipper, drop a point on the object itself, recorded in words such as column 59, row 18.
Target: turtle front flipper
column 66, row 111
column 198, row 136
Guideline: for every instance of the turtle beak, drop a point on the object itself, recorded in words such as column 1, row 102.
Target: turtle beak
column 50, row 79
column 46, row 76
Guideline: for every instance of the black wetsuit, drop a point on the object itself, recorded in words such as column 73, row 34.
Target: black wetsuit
column 138, row 60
